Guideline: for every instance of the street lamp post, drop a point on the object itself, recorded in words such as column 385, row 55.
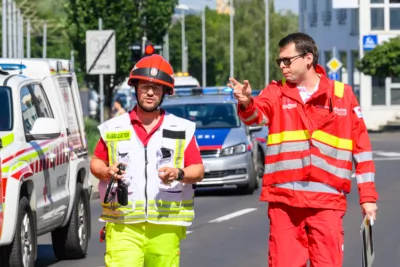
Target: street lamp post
column 266, row 42
column 231, row 50
column 183, row 40
column 203, row 46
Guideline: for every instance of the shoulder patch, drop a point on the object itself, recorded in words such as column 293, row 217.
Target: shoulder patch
column 358, row 112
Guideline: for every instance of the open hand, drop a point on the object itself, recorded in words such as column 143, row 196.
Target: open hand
column 242, row 92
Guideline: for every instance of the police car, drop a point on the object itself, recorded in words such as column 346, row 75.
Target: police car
column 44, row 178
column 232, row 152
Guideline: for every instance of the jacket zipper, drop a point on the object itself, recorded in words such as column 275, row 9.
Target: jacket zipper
column 145, row 175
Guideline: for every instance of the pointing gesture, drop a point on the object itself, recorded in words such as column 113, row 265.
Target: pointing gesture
column 242, row 92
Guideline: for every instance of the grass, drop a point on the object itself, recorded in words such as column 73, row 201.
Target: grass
column 92, row 134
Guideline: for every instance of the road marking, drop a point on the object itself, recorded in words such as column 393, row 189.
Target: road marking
column 386, row 159
column 189, row 232
column 387, row 154
column 232, row 215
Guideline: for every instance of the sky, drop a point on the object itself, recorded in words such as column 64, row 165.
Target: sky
column 279, row 4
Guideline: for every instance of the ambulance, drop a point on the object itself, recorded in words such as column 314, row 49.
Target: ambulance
column 44, row 178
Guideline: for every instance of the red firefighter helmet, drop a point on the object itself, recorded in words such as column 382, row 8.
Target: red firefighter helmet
column 155, row 69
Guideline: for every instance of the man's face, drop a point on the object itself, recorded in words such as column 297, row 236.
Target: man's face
column 149, row 94
column 293, row 64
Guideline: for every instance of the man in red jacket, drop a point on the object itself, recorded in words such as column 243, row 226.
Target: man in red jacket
column 316, row 130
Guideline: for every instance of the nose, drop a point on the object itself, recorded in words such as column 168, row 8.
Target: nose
column 282, row 65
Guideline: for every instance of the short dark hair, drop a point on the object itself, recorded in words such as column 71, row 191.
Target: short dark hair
column 303, row 44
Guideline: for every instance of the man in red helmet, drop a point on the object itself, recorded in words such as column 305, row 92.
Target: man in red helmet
column 162, row 163
column 316, row 132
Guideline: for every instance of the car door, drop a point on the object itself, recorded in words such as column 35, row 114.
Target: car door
column 44, row 162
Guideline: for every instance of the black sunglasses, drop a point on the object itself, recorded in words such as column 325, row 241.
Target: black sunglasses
column 287, row 61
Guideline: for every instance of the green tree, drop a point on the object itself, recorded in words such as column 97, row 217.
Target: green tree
column 129, row 23
column 383, row 61
column 249, row 43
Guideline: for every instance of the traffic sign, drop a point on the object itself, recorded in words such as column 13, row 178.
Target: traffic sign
column 334, row 76
column 334, row 64
column 100, row 52
column 370, row 42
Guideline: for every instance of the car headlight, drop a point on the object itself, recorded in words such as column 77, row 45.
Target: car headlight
column 233, row 150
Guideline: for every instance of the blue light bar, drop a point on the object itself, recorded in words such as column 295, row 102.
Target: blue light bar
column 12, row 66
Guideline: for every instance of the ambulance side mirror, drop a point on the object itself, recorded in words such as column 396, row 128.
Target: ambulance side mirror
column 44, row 129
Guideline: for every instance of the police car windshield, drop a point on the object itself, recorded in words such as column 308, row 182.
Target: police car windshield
column 6, row 115
column 208, row 115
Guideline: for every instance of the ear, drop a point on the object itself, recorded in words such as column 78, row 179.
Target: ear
column 310, row 58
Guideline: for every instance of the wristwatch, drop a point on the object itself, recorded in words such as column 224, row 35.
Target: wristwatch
column 181, row 175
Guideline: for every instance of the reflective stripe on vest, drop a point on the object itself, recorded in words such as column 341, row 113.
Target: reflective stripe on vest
column 309, row 187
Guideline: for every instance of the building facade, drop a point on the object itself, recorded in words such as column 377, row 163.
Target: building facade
column 347, row 33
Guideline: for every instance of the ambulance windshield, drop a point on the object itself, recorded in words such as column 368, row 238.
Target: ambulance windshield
column 6, row 116
column 209, row 115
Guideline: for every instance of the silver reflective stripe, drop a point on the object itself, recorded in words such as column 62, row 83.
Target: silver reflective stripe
column 323, row 164
column 365, row 177
column 309, row 186
column 363, row 156
column 263, row 122
column 287, row 147
column 252, row 117
column 285, row 165
column 333, row 152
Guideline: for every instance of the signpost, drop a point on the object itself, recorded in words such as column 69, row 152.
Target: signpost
column 370, row 42
column 100, row 57
column 334, row 66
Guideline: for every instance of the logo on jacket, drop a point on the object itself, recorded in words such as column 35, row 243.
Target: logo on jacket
column 289, row 106
column 358, row 112
column 340, row 111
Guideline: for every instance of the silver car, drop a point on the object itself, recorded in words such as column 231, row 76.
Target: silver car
column 232, row 153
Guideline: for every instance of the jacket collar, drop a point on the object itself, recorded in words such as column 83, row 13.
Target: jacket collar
column 290, row 89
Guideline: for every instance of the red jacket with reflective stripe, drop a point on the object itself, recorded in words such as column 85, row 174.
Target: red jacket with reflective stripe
column 311, row 146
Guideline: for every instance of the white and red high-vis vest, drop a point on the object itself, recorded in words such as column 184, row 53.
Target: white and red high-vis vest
column 312, row 145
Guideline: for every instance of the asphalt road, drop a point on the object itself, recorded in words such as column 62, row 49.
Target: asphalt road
column 231, row 230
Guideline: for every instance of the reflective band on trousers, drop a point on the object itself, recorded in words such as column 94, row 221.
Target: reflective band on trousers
column 363, row 157
column 253, row 116
column 365, row 177
column 309, row 186
column 333, row 152
column 286, row 165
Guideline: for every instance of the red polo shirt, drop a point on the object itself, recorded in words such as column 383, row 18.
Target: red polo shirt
column 191, row 155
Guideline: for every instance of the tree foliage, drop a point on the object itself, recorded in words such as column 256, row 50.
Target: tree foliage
column 383, row 61
column 130, row 20
column 249, row 43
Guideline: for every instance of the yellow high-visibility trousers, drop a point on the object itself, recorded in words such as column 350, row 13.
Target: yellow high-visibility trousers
column 143, row 245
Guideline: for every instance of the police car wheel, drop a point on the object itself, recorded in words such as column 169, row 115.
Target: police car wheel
column 71, row 241
column 24, row 246
column 248, row 188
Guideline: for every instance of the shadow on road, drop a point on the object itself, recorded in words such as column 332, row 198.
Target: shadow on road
column 45, row 256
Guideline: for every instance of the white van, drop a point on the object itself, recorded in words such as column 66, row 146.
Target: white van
column 44, row 185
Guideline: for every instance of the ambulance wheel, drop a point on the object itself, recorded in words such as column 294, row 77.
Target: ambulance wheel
column 23, row 248
column 71, row 241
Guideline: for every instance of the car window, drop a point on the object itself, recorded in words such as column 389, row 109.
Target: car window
column 209, row 115
column 34, row 104
column 6, row 113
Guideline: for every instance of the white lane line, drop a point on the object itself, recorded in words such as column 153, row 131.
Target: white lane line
column 232, row 215
column 386, row 159
column 189, row 232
